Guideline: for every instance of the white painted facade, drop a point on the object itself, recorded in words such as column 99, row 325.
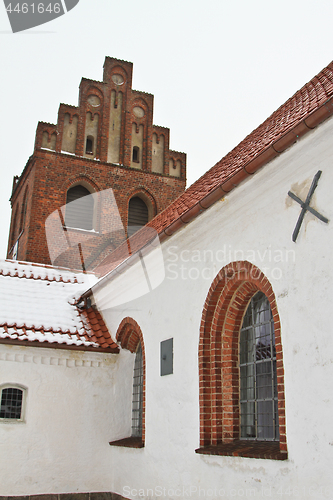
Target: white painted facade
column 78, row 402
column 72, row 408
column 254, row 222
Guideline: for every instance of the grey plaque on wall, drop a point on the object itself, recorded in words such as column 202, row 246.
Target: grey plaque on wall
column 166, row 357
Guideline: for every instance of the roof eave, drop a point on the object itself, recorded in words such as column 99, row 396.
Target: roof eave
column 54, row 345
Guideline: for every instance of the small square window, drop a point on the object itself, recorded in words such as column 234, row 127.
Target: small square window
column 12, row 399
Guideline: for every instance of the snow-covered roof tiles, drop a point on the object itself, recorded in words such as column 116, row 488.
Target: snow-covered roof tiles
column 38, row 304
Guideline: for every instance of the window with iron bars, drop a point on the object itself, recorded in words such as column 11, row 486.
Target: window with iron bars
column 11, row 403
column 258, row 381
column 137, row 397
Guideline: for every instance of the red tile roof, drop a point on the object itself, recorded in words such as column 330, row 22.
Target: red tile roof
column 39, row 307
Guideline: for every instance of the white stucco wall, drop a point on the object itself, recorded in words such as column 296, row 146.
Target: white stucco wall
column 254, row 222
column 73, row 411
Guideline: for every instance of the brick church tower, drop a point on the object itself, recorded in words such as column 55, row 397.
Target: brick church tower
column 107, row 142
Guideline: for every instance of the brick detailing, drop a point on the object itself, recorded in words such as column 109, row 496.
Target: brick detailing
column 250, row 449
column 222, row 317
column 115, row 118
column 129, row 335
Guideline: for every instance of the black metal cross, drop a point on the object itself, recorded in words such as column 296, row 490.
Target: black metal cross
column 306, row 205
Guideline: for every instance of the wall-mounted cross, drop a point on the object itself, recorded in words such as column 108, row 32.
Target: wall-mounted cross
column 306, row 205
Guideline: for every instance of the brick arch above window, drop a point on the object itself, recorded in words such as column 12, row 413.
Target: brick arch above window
column 129, row 335
column 223, row 312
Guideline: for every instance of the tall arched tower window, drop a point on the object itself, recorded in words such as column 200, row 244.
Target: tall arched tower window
column 80, row 208
column 137, row 215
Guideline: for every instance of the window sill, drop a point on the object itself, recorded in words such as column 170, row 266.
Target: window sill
column 250, row 449
column 130, row 442
column 91, row 232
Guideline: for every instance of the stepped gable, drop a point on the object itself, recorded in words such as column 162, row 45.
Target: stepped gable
column 107, row 142
column 39, row 307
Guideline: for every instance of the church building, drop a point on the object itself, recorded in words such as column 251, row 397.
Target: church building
column 192, row 356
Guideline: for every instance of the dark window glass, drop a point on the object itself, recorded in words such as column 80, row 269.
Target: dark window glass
column 11, row 403
column 89, row 145
column 136, row 154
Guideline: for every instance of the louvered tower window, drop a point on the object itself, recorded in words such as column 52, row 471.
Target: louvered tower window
column 137, row 215
column 79, row 208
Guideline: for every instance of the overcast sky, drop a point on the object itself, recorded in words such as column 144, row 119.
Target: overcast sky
column 217, row 69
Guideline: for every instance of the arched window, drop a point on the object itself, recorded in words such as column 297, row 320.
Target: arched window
column 257, row 364
column 129, row 336
column 79, row 208
column 137, row 215
column 137, row 398
column 136, row 154
column 242, row 408
column 12, row 399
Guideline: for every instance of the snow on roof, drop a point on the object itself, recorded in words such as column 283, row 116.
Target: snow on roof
column 38, row 304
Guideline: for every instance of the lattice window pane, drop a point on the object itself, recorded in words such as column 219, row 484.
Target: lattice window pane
column 11, row 403
column 258, row 381
column 137, row 396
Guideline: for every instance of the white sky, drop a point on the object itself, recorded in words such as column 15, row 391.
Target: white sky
column 217, row 69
